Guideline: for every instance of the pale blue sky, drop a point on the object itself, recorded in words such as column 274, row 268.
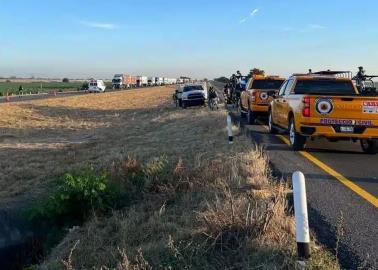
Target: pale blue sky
column 82, row 38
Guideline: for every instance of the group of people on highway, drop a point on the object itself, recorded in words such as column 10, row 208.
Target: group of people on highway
column 235, row 86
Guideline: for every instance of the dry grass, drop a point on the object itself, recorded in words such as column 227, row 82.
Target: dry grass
column 43, row 139
column 215, row 207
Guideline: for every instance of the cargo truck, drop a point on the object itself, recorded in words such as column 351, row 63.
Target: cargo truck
column 96, row 86
column 151, row 81
column 142, row 81
column 123, row 81
column 159, row 81
column 172, row 81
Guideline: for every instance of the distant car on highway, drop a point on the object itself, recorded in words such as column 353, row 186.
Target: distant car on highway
column 96, row 86
column 190, row 94
column 254, row 102
column 320, row 105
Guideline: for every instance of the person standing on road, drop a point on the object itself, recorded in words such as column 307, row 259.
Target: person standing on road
column 225, row 89
column 212, row 96
column 20, row 90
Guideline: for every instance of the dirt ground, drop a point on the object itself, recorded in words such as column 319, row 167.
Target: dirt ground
column 41, row 140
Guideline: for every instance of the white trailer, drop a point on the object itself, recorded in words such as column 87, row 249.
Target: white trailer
column 172, row 81
column 151, row 81
column 159, row 81
column 142, row 81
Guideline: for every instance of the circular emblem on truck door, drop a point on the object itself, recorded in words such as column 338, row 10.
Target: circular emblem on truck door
column 264, row 96
column 324, row 106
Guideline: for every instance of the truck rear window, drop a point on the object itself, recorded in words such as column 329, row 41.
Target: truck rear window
column 193, row 88
column 267, row 84
column 324, row 87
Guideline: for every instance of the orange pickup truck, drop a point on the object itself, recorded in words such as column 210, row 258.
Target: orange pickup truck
column 259, row 93
column 310, row 105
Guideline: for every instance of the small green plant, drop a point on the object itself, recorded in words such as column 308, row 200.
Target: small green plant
column 77, row 196
column 156, row 173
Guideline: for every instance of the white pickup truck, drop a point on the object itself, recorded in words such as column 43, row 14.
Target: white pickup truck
column 190, row 94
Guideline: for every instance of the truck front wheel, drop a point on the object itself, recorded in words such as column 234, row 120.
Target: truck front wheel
column 297, row 141
column 369, row 146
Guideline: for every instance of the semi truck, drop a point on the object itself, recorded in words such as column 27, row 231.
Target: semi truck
column 159, row 81
column 123, row 81
column 151, row 81
column 142, row 81
column 171, row 81
column 96, row 86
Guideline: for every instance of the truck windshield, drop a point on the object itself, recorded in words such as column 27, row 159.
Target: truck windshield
column 193, row 88
column 324, row 87
column 267, row 84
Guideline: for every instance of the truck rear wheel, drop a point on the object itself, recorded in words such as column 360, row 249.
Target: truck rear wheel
column 242, row 110
column 369, row 146
column 297, row 141
column 251, row 117
column 271, row 125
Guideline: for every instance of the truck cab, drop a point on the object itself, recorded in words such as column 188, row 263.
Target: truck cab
column 141, row 81
column 255, row 100
column 159, row 81
column 151, row 81
column 318, row 105
column 117, row 82
column 96, row 86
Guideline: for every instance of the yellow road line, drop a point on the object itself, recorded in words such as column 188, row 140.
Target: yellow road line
column 345, row 181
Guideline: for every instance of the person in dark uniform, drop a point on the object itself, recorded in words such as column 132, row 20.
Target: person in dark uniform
column 20, row 90
column 360, row 79
column 212, row 95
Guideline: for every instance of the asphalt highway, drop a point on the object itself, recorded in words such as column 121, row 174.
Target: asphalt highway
column 18, row 98
column 342, row 190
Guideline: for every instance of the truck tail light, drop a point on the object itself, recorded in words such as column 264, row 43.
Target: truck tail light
column 254, row 94
column 306, row 106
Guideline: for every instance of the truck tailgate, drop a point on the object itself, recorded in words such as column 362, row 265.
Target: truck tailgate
column 330, row 108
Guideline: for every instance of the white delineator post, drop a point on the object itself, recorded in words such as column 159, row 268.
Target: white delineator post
column 301, row 216
column 229, row 130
